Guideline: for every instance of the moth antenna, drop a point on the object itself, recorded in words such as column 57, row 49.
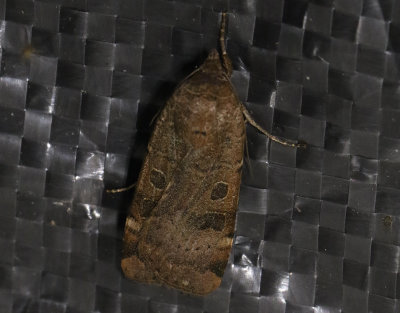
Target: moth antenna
column 118, row 190
column 222, row 34
column 226, row 62
column 269, row 135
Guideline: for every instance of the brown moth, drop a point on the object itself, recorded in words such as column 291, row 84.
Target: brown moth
column 181, row 222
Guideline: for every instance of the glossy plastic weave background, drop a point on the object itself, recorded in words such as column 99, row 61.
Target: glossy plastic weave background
column 318, row 230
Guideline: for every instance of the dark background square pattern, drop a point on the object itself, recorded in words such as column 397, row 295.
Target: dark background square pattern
column 318, row 229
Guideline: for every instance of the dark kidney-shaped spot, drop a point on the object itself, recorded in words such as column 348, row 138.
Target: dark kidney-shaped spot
column 157, row 178
column 214, row 221
column 219, row 191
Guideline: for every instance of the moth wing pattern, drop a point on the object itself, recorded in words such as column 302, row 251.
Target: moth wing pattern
column 180, row 225
column 161, row 158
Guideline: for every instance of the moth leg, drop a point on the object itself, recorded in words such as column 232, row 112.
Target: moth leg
column 118, row 190
column 246, row 158
column 154, row 118
column 269, row 135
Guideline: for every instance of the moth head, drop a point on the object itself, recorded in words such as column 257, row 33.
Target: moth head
column 213, row 55
column 217, row 64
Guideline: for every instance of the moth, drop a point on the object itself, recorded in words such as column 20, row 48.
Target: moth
column 180, row 225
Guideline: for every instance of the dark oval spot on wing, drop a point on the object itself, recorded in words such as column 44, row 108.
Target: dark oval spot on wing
column 157, row 178
column 214, row 221
column 219, row 191
column 147, row 206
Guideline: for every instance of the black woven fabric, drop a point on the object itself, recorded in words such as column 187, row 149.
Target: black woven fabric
column 318, row 229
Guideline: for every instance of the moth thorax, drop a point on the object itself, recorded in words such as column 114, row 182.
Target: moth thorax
column 196, row 124
column 213, row 64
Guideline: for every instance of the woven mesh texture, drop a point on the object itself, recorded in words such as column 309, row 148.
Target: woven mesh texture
column 318, row 229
